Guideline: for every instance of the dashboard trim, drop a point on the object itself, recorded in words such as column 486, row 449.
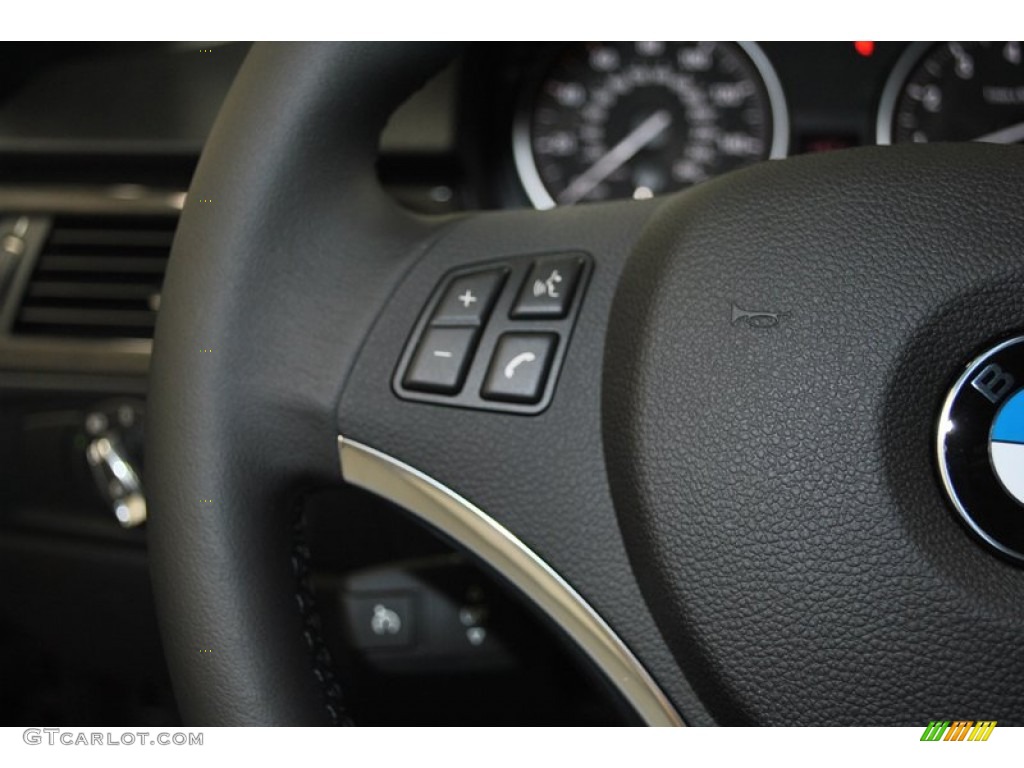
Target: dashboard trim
column 39, row 355
column 119, row 199
column 445, row 510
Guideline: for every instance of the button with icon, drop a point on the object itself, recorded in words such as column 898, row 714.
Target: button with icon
column 519, row 367
column 441, row 360
column 382, row 620
column 467, row 299
column 549, row 287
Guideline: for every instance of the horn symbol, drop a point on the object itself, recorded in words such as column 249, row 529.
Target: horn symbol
column 754, row 319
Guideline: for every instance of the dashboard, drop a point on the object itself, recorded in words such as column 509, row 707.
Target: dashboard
column 98, row 143
column 559, row 123
column 526, row 124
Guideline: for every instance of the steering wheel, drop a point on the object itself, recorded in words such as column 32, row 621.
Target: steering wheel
column 725, row 492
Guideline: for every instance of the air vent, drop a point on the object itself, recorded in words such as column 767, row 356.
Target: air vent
column 99, row 277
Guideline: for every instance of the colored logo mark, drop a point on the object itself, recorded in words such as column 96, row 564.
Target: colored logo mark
column 958, row 730
column 981, row 447
column 1006, row 446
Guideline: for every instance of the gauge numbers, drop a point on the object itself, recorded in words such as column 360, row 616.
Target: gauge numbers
column 620, row 120
column 955, row 92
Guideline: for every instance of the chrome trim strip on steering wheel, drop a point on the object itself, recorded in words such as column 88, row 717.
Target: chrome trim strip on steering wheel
column 453, row 515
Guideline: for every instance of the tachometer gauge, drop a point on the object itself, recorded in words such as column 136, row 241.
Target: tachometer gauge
column 955, row 92
column 620, row 120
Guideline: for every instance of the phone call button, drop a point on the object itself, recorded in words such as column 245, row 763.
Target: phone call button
column 519, row 367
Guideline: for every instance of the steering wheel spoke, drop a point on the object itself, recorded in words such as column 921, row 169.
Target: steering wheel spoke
column 523, row 487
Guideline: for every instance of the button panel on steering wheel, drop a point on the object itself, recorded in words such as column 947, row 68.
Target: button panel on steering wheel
column 493, row 335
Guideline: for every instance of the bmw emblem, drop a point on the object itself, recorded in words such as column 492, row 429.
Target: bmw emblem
column 981, row 447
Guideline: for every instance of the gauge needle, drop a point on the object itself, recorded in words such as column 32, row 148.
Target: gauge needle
column 1009, row 135
column 616, row 157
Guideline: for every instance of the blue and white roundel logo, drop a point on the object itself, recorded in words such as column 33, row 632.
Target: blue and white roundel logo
column 1006, row 446
column 981, row 447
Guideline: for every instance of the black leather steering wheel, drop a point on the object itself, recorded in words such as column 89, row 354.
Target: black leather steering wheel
column 739, row 522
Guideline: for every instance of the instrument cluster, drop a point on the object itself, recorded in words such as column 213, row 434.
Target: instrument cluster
column 570, row 123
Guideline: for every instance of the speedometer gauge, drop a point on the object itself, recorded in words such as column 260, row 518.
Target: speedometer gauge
column 955, row 92
column 620, row 120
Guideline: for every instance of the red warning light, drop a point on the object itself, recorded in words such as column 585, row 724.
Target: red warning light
column 864, row 47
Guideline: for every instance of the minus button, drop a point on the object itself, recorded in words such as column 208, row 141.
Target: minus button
column 441, row 360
